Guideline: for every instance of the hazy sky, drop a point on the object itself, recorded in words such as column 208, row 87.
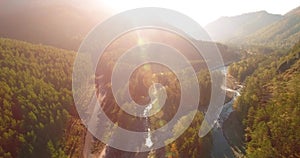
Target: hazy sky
column 203, row 11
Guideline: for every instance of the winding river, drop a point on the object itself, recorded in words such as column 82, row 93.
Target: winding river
column 221, row 148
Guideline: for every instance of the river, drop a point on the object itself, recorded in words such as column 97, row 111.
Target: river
column 221, row 147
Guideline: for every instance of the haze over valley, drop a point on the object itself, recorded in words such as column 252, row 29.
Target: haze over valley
column 259, row 117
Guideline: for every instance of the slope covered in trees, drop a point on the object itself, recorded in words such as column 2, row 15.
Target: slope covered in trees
column 35, row 99
column 228, row 28
column 37, row 111
column 283, row 33
column 258, row 29
column 269, row 107
column 38, row 117
column 56, row 24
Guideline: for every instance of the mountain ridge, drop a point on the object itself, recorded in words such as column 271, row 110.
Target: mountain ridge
column 284, row 33
column 226, row 28
column 56, row 25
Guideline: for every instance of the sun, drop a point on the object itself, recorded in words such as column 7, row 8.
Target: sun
column 118, row 5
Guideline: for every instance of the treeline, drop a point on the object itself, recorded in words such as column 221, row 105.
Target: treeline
column 35, row 99
column 269, row 106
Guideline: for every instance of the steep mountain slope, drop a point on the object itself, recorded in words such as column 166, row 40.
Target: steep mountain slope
column 61, row 26
column 227, row 28
column 266, row 120
column 283, row 33
column 35, row 99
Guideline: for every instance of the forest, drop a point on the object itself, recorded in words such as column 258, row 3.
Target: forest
column 268, row 108
column 39, row 119
column 38, row 116
column 40, row 42
column 35, row 99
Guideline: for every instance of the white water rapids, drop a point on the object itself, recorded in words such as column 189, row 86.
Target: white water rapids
column 148, row 142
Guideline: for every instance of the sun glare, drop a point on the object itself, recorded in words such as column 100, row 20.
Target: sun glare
column 118, row 6
column 188, row 9
column 141, row 41
column 203, row 11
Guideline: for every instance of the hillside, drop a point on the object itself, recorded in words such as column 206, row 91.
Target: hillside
column 227, row 28
column 266, row 120
column 283, row 33
column 36, row 97
column 61, row 26
column 36, row 102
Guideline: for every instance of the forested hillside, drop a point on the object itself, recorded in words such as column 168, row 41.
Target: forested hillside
column 38, row 116
column 35, row 99
column 240, row 26
column 283, row 33
column 269, row 107
column 58, row 25
column 258, row 29
column 45, row 113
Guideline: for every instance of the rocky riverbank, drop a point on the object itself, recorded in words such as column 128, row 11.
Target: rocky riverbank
column 222, row 147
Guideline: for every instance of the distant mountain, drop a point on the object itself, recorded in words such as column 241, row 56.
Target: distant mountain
column 283, row 33
column 62, row 26
column 227, row 28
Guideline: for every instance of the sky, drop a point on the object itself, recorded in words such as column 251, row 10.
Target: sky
column 207, row 11
column 202, row 11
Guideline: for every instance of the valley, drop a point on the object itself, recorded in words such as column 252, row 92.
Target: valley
column 38, row 116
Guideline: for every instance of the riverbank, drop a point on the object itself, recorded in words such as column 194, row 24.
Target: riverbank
column 233, row 133
column 233, row 130
column 222, row 146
